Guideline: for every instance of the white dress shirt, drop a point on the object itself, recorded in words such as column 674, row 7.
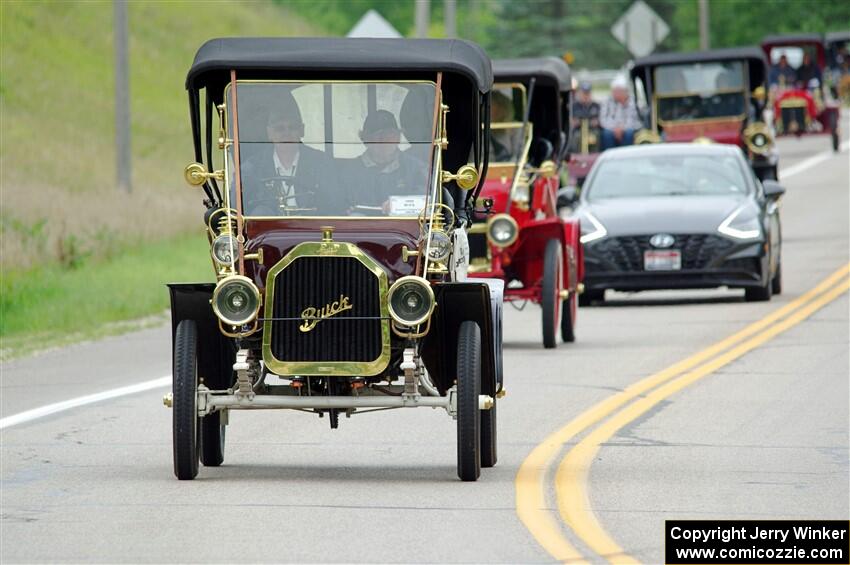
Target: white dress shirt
column 284, row 171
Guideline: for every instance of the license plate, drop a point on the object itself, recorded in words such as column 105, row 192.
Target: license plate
column 670, row 260
column 406, row 205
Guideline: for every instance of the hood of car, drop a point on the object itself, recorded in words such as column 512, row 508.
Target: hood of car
column 719, row 131
column 663, row 214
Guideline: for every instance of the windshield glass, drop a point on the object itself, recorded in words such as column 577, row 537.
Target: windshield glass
column 666, row 175
column 701, row 78
column 333, row 149
column 695, row 106
column 507, row 104
column 701, row 90
column 792, row 53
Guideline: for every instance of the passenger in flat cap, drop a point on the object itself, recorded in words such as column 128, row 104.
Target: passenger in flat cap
column 383, row 169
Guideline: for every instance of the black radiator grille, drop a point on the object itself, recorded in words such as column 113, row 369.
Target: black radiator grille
column 625, row 253
column 790, row 115
column 317, row 282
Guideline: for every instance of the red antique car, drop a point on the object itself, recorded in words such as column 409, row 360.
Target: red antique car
column 801, row 106
column 523, row 240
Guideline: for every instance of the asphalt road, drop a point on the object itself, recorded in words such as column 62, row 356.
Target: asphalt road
column 765, row 436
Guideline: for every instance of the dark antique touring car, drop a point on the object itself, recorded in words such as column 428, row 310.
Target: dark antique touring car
column 524, row 241
column 801, row 103
column 716, row 95
column 339, row 177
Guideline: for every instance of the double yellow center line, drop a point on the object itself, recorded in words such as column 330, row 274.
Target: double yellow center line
column 571, row 477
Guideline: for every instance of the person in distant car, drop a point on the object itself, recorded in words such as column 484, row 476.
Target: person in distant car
column 285, row 174
column 584, row 108
column 781, row 75
column 808, row 72
column 618, row 117
column 504, row 142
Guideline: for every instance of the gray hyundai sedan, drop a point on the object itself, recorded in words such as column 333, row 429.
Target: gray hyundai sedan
column 679, row 215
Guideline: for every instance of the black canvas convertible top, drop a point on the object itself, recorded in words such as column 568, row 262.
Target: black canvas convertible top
column 310, row 54
column 792, row 38
column 552, row 69
column 837, row 36
column 731, row 54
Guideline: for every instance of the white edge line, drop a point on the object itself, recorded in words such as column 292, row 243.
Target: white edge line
column 810, row 162
column 41, row 412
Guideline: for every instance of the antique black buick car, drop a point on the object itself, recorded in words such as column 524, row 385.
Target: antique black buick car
column 339, row 179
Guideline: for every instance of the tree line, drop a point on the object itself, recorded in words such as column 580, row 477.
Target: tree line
column 516, row 28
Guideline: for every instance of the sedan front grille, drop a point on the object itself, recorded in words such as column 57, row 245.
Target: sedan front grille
column 625, row 253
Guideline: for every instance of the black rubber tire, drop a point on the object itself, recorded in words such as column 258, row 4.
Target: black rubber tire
column 468, row 413
column 776, row 282
column 184, row 409
column 836, row 142
column 212, row 440
column 588, row 297
column 568, row 324
column 550, row 301
column 489, row 451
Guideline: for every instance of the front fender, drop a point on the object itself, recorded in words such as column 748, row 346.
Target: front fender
column 478, row 300
column 574, row 251
column 527, row 254
column 216, row 352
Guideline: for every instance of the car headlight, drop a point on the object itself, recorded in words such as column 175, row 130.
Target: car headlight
column 440, row 246
column 224, row 249
column 410, row 300
column 236, row 300
column 502, row 230
column 741, row 224
column 757, row 138
column 592, row 229
column 760, row 140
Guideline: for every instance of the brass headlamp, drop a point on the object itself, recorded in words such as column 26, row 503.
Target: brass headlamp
column 757, row 138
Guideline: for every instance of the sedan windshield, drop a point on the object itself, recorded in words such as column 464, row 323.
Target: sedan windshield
column 666, row 175
column 333, row 149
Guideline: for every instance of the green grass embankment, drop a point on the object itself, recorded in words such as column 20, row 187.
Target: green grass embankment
column 52, row 306
column 77, row 257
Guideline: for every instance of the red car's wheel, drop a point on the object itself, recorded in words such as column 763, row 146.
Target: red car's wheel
column 553, row 282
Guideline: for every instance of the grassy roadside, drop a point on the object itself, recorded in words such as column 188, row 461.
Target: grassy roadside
column 71, row 265
column 53, row 306
column 57, row 165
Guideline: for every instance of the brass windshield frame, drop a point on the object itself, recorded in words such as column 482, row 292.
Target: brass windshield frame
column 656, row 96
column 433, row 143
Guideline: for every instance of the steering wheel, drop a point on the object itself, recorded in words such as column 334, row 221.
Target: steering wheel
column 286, row 185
